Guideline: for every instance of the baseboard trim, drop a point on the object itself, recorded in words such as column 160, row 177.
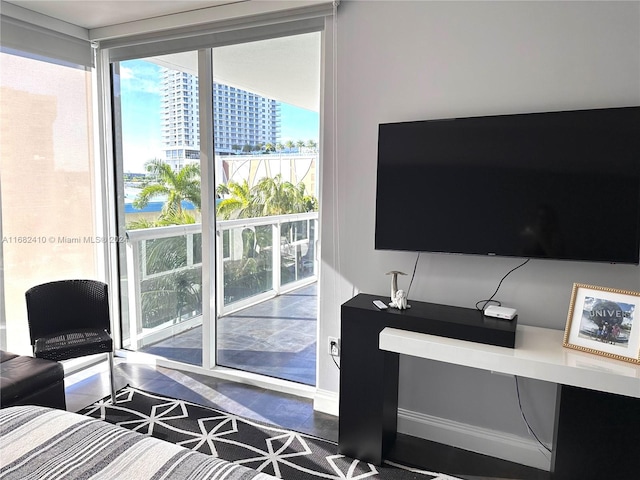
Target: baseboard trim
column 476, row 439
column 326, row 401
column 481, row 440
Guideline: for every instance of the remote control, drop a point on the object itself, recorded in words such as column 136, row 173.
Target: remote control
column 380, row 304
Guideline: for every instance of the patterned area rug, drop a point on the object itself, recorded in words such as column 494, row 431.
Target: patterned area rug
column 284, row 453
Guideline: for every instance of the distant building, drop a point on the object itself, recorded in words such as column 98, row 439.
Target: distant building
column 241, row 119
column 180, row 125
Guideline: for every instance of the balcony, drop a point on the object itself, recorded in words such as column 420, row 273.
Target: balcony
column 266, row 269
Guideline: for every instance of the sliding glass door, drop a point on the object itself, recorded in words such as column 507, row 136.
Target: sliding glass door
column 266, row 111
column 156, row 114
column 224, row 142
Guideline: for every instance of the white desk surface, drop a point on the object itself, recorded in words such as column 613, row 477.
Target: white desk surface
column 538, row 354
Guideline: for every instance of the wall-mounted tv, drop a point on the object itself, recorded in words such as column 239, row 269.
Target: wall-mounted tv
column 557, row 185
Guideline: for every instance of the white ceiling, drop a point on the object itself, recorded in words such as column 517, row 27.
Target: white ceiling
column 100, row 13
column 286, row 69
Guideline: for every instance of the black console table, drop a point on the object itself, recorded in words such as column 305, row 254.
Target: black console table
column 588, row 443
column 369, row 376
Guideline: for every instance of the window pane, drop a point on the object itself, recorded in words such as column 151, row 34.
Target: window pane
column 159, row 153
column 297, row 251
column 247, row 271
column 170, row 286
column 47, row 175
column 266, row 132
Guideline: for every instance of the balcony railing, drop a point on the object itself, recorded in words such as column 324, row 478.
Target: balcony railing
column 256, row 259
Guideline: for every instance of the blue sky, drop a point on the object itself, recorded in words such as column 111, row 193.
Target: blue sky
column 140, row 100
column 298, row 124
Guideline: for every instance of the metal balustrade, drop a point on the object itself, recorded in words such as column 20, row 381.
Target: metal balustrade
column 256, row 259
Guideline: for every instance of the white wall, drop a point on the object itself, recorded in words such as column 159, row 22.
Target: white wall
column 401, row 61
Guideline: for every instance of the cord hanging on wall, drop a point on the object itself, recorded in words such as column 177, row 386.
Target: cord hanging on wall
column 490, row 299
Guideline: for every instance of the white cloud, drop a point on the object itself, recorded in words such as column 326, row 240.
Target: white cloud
column 140, row 77
column 126, row 73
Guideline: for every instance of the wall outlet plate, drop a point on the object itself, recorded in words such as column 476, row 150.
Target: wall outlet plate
column 333, row 345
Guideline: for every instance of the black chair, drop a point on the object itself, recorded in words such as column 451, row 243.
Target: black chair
column 70, row 319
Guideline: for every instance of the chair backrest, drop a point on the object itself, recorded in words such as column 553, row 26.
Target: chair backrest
column 65, row 305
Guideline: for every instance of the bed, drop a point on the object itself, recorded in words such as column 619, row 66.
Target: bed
column 45, row 443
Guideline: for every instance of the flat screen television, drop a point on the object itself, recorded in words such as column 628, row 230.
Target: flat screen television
column 557, row 185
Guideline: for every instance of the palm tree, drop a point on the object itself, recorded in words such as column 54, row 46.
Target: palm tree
column 276, row 197
column 270, row 196
column 279, row 147
column 289, row 145
column 312, row 144
column 309, row 202
column 238, row 202
column 177, row 186
column 299, row 144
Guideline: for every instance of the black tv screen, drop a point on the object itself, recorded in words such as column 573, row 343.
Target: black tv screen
column 558, row 185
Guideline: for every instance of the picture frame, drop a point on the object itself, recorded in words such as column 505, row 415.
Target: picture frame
column 604, row 321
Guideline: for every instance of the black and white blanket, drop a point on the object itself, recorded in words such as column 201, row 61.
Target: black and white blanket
column 42, row 443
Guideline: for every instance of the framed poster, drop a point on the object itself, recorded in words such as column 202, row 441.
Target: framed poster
column 604, row 321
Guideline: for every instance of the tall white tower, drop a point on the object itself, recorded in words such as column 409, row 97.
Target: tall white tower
column 180, row 125
column 242, row 120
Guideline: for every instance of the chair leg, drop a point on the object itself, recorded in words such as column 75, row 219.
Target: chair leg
column 111, row 379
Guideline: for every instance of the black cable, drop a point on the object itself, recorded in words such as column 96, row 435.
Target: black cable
column 334, row 361
column 525, row 418
column 412, row 275
column 499, row 284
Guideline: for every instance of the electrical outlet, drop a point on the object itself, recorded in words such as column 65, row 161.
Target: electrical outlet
column 334, row 346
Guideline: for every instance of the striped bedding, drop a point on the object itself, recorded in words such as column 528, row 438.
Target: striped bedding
column 43, row 443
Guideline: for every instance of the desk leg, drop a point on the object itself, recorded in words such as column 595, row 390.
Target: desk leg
column 597, row 435
column 368, row 392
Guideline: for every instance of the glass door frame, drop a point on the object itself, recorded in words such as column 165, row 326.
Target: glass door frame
column 208, row 209
column 209, row 238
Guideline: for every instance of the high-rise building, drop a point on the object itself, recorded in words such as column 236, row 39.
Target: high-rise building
column 180, row 125
column 242, row 120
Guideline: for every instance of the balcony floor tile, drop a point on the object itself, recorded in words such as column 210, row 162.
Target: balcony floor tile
column 276, row 338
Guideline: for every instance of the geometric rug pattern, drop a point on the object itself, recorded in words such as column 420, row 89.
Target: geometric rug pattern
column 266, row 448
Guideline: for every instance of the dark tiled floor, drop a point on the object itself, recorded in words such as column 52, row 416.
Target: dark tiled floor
column 276, row 338
column 290, row 412
column 249, row 401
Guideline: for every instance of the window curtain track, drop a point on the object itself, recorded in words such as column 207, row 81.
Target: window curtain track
column 216, row 34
